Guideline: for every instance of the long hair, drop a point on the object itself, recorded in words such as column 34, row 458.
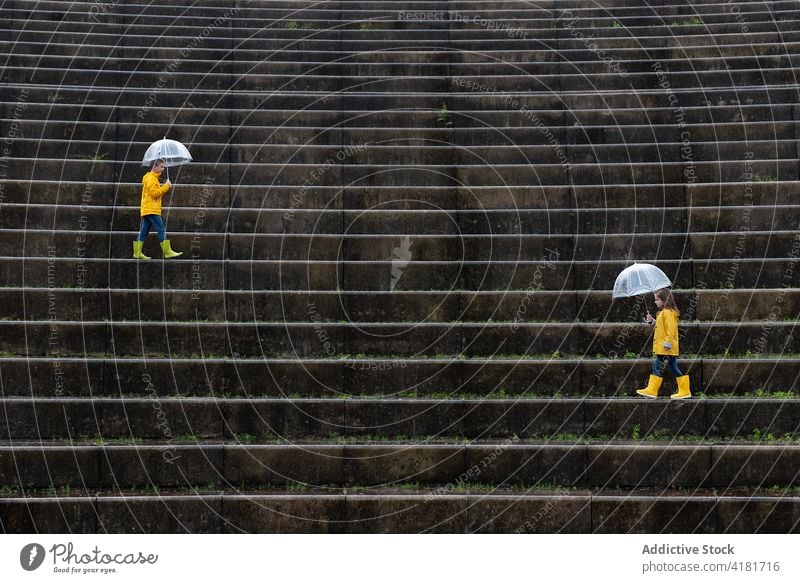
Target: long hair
column 665, row 295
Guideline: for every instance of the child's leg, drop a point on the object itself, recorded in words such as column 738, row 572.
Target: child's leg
column 144, row 229
column 672, row 363
column 657, row 366
column 159, row 227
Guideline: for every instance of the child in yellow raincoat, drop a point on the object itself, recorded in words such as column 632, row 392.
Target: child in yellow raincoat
column 665, row 347
column 152, row 192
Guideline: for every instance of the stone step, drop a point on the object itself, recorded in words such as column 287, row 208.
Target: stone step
column 585, row 64
column 394, row 219
column 354, row 25
column 332, row 38
column 84, row 243
column 234, row 81
column 668, row 56
column 548, row 511
column 503, row 7
column 775, row 377
column 257, row 124
column 314, row 419
column 416, row 175
column 19, row 99
column 505, row 144
column 542, row 273
column 414, row 13
column 317, row 339
column 554, row 197
column 439, row 149
column 532, row 305
column 441, row 467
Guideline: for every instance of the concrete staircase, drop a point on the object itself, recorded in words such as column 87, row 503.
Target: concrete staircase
column 400, row 233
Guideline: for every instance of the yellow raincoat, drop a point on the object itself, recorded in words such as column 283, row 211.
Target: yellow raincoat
column 152, row 191
column 666, row 332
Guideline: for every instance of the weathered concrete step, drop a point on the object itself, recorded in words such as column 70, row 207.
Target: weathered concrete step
column 418, row 175
column 142, row 100
column 437, row 147
column 414, row 82
column 532, row 305
column 394, row 219
column 452, row 379
column 407, row 340
column 438, row 467
column 197, row 274
column 573, row 511
column 317, row 16
column 151, row 418
column 668, row 56
column 474, row 140
column 33, row 118
column 204, row 245
column 358, row 27
column 639, row 196
column 511, row 9
column 531, row 112
column 585, row 63
column 459, row 39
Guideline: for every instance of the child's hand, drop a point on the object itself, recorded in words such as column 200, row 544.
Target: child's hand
column 648, row 319
column 168, row 183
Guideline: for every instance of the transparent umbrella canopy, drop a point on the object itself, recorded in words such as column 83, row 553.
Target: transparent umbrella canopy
column 639, row 278
column 171, row 151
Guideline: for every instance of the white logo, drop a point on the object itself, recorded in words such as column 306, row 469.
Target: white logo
column 403, row 256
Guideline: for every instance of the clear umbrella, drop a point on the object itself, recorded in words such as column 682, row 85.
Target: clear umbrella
column 171, row 151
column 639, row 278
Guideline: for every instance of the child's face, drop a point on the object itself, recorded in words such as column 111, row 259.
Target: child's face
column 659, row 302
column 158, row 169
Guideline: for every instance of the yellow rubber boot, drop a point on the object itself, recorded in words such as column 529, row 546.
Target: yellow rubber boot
column 168, row 252
column 683, row 388
column 651, row 390
column 137, row 250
